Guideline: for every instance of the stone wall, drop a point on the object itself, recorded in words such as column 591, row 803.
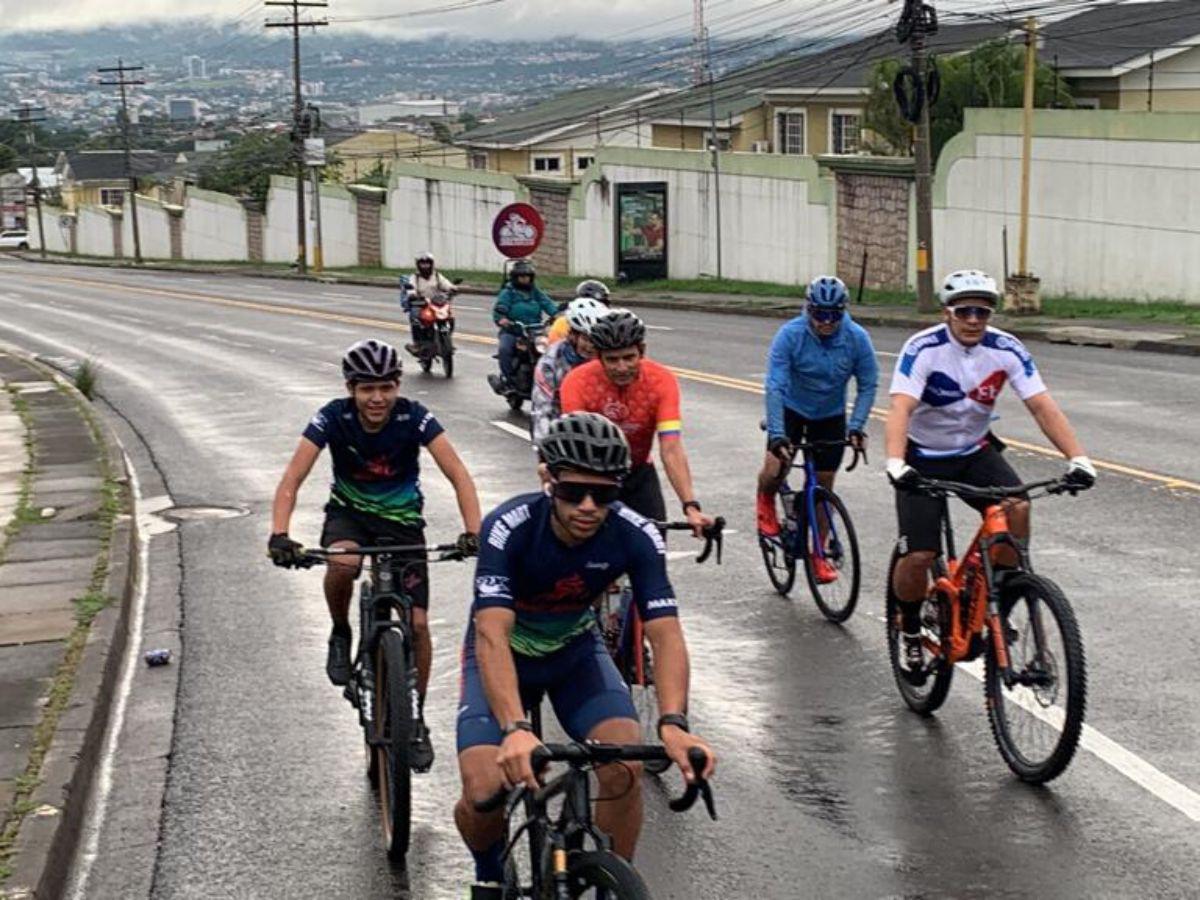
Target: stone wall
column 367, row 218
column 873, row 205
column 554, row 254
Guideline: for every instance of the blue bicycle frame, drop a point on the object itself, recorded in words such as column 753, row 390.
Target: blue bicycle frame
column 793, row 542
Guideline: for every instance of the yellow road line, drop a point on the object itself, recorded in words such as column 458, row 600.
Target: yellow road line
column 711, row 378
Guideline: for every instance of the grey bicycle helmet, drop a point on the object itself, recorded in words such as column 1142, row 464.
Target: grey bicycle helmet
column 618, row 330
column 371, row 360
column 587, row 442
column 597, row 290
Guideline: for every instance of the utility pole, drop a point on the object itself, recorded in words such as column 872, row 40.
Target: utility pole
column 297, row 113
column 30, row 116
column 716, row 148
column 918, row 22
column 1150, row 91
column 121, row 69
column 699, row 43
column 311, row 120
column 1021, row 292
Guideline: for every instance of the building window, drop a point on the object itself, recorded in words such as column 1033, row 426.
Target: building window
column 845, row 127
column 479, row 161
column 547, row 165
column 112, row 197
column 789, row 133
column 583, row 163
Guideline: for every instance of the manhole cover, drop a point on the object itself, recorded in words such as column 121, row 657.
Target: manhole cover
column 201, row 513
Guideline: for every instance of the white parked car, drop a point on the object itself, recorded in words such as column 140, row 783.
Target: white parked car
column 14, row 240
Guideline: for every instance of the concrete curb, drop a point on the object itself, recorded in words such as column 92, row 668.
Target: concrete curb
column 49, row 836
column 1113, row 337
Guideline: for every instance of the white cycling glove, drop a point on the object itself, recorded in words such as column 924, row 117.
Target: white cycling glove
column 898, row 470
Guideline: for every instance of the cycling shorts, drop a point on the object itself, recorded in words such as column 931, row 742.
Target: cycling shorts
column 921, row 516
column 365, row 530
column 800, row 430
column 642, row 492
column 581, row 680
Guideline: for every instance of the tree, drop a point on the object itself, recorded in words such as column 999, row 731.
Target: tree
column 245, row 167
column 8, row 158
column 377, row 176
column 991, row 75
column 468, row 120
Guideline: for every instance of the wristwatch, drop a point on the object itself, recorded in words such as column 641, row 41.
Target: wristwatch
column 518, row 725
column 679, row 720
column 692, row 504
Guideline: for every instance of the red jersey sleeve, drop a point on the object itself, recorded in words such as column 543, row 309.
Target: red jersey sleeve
column 571, row 391
column 669, row 420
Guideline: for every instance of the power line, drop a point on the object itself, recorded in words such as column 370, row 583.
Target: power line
column 121, row 69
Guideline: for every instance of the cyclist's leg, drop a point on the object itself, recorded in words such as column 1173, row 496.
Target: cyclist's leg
column 827, row 459
column 770, row 478
column 989, row 468
column 342, row 530
column 642, row 492
column 920, row 519
column 592, row 703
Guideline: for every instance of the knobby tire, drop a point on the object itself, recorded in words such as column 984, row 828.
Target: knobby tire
column 923, row 699
column 394, row 718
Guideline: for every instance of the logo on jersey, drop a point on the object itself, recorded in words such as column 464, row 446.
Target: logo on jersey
column 493, row 587
column 378, row 469
column 502, row 528
column 596, row 565
column 989, row 389
column 662, row 603
column 318, row 421
column 568, row 595
column 615, row 410
column 941, row 390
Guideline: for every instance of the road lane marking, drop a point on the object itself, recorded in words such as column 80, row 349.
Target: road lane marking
column 737, row 384
column 514, row 430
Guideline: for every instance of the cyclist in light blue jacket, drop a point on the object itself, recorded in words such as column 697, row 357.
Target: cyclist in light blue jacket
column 812, row 359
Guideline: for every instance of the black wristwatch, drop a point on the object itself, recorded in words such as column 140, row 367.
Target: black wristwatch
column 692, row 504
column 679, row 720
column 519, row 725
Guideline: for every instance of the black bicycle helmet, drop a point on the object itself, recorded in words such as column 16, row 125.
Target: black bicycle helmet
column 522, row 267
column 371, row 360
column 618, row 330
column 597, row 290
column 586, row 442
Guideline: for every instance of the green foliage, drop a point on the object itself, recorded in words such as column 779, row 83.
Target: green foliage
column 378, row 176
column 468, row 120
column 245, row 167
column 85, row 378
column 8, row 158
column 441, row 132
column 992, row 75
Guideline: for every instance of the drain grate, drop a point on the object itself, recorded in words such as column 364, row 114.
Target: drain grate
column 202, row 513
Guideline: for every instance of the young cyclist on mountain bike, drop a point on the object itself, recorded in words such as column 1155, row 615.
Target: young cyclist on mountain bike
column 812, row 359
column 944, row 393
column 642, row 397
column 544, row 407
column 544, row 558
column 374, row 437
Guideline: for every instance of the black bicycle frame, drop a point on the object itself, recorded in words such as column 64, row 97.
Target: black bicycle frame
column 376, row 619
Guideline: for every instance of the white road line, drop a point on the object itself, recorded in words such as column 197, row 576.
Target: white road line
column 1108, row 751
column 659, row 328
column 342, row 296
column 886, row 353
column 512, row 429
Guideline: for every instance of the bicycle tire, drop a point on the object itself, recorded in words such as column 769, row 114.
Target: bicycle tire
column 922, row 699
column 1000, row 701
column 826, row 594
column 395, row 732
column 780, row 563
column 610, row 875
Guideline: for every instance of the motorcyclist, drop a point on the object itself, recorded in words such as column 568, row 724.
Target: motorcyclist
column 590, row 289
column 519, row 303
column 426, row 283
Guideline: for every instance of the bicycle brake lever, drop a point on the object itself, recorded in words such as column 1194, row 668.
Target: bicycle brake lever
column 710, row 804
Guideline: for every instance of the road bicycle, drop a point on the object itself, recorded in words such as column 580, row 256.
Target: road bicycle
column 1034, row 678
column 383, row 678
column 569, row 856
column 815, row 525
column 622, row 629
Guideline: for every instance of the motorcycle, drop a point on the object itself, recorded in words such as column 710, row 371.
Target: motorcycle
column 531, row 344
column 433, row 338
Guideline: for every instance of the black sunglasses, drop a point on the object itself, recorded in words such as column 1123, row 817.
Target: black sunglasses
column 825, row 315
column 982, row 313
column 574, row 492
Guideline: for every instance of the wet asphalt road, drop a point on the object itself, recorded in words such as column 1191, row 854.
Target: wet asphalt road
column 828, row 785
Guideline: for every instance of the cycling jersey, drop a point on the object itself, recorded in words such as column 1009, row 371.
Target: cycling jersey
column 376, row 472
column 647, row 406
column 958, row 386
column 809, row 374
column 551, row 369
column 523, row 566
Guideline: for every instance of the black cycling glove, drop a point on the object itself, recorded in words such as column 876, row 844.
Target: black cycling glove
column 284, row 552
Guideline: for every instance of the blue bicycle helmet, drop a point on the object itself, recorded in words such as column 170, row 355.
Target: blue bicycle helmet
column 827, row 292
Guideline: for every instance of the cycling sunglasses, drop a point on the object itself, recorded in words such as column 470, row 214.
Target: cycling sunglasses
column 982, row 313
column 574, row 492
column 825, row 316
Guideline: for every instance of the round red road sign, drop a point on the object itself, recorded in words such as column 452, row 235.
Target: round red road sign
column 517, row 230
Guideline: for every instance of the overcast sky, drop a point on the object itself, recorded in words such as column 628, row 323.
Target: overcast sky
column 733, row 19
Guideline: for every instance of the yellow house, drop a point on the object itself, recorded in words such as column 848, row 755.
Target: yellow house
column 98, row 177
column 362, row 152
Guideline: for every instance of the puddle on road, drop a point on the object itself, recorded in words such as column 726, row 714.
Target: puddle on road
column 182, row 514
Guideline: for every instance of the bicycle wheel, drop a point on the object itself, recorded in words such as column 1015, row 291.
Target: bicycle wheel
column 776, row 554
column 645, row 701
column 1038, row 719
column 393, row 717
column 836, row 599
column 930, row 693
column 602, row 875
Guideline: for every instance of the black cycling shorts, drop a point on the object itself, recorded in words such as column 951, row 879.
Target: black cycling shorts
column 642, row 492
column 800, row 430
column 366, row 530
column 921, row 516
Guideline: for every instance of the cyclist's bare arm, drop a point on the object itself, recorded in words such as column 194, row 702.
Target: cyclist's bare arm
column 895, row 430
column 456, row 473
column 679, row 473
column 289, row 485
column 671, row 675
column 1054, row 424
column 498, row 672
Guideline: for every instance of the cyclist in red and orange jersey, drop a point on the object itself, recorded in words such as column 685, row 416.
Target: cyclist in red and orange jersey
column 642, row 397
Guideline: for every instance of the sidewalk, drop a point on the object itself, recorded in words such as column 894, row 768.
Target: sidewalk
column 48, row 561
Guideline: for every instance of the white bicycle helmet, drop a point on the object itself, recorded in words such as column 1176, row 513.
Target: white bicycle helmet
column 584, row 312
column 968, row 283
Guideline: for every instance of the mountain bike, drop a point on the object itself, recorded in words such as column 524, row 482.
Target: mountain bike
column 383, row 679
column 1035, row 682
column 569, row 857
column 810, row 531
column 622, row 629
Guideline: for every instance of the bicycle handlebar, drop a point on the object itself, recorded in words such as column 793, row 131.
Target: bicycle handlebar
column 938, row 488
column 714, row 536
column 321, row 556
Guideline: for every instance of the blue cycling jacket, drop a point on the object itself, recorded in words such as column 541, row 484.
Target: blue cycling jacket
column 808, row 374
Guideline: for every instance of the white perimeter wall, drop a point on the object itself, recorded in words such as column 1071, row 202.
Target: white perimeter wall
column 339, row 226
column 1115, row 217
column 154, row 229
column 279, row 229
column 57, row 240
column 214, row 227
column 94, row 232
